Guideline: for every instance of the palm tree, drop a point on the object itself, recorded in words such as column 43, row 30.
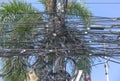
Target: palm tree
column 57, row 10
column 17, row 28
column 23, row 31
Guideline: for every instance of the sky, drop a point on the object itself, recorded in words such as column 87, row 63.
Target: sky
column 107, row 10
column 104, row 10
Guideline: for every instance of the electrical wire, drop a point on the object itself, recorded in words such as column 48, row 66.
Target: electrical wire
column 102, row 3
column 83, row 2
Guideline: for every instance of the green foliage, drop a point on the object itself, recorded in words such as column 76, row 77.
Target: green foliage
column 78, row 9
column 84, row 63
column 22, row 26
column 11, row 11
column 15, row 6
column 19, row 24
column 46, row 3
column 18, row 72
column 26, row 25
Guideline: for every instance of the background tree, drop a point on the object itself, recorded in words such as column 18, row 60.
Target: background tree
column 22, row 28
column 18, row 26
column 59, row 11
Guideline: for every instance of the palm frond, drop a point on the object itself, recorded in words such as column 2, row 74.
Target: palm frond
column 47, row 4
column 18, row 71
column 78, row 9
column 15, row 6
column 13, row 12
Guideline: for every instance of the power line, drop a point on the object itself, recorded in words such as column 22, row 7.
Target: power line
column 90, row 3
column 87, row 3
column 102, row 3
column 84, row 3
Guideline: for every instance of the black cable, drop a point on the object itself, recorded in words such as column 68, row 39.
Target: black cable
column 83, row 2
column 98, row 64
column 111, row 60
column 102, row 3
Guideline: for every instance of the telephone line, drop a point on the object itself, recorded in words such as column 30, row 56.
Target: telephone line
column 84, row 2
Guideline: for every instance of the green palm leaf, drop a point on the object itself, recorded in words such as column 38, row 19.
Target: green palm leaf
column 78, row 9
column 12, row 13
column 75, row 8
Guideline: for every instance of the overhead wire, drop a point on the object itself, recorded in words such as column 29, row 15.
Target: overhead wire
column 24, row 53
column 83, row 2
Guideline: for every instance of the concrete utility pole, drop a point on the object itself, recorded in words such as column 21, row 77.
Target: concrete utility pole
column 106, row 69
column 106, row 63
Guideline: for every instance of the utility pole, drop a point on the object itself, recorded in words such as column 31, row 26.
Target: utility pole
column 106, row 69
column 106, row 63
